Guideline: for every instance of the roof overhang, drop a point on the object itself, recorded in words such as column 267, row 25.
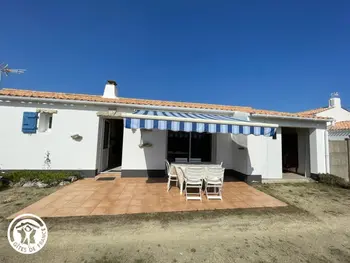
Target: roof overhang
column 318, row 119
column 113, row 104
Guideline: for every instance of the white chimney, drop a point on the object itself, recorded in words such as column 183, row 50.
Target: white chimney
column 110, row 91
column 334, row 101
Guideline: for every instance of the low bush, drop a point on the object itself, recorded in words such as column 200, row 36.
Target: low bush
column 42, row 176
column 333, row 180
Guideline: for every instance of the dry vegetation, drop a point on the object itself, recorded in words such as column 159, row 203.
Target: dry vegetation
column 314, row 228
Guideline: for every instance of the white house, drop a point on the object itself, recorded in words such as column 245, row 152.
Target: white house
column 92, row 133
column 339, row 128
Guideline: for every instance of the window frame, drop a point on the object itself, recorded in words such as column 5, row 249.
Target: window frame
column 45, row 122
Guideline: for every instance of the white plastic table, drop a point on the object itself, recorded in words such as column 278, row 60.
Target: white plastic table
column 174, row 167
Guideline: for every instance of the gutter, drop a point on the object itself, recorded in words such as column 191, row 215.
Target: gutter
column 289, row 117
column 115, row 104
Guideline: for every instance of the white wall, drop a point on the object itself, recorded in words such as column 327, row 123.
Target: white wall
column 257, row 155
column 149, row 158
column 223, row 150
column 27, row 151
column 239, row 155
column 303, row 151
column 265, row 156
column 319, row 161
column 339, row 114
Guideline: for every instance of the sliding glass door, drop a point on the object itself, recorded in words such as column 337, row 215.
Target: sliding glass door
column 189, row 145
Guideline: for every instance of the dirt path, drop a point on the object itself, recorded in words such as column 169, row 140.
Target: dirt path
column 316, row 229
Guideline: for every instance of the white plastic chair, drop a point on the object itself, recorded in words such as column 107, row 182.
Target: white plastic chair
column 194, row 180
column 172, row 177
column 214, row 179
column 195, row 160
column 181, row 160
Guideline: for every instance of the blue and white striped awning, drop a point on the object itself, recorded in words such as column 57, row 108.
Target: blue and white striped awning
column 195, row 122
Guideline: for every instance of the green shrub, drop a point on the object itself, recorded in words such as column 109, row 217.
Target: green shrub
column 43, row 176
column 333, row 180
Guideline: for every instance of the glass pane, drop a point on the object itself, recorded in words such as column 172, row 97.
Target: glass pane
column 106, row 136
column 178, row 145
column 201, row 146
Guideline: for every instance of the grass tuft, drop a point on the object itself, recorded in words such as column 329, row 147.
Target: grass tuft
column 43, row 176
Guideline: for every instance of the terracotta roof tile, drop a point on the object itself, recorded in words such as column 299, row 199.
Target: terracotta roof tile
column 131, row 101
column 341, row 125
column 313, row 111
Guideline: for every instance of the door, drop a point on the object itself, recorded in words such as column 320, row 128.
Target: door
column 106, row 144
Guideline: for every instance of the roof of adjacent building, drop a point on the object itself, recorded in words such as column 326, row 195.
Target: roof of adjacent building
column 132, row 101
column 341, row 125
column 313, row 111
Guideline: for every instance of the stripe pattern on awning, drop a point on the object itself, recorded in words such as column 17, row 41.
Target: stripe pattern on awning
column 192, row 126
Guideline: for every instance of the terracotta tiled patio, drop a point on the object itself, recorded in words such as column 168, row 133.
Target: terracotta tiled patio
column 139, row 195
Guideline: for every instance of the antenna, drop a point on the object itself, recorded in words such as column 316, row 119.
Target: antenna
column 4, row 69
column 335, row 95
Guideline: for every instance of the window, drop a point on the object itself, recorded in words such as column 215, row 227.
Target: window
column 45, row 122
column 189, row 145
column 50, row 122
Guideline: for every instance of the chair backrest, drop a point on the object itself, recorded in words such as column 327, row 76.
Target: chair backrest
column 167, row 166
column 180, row 172
column 181, row 160
column 194, row 174
column 215, row 172
column 195, row 160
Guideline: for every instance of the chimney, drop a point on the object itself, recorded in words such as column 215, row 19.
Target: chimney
column 110, row 91
column 334, row 101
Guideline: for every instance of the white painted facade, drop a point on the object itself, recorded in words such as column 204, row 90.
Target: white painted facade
column 149, row 158
column 27, row 151
column 336, row 112
column 249, row 155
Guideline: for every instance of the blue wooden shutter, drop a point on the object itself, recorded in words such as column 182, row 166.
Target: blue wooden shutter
column 29, row 123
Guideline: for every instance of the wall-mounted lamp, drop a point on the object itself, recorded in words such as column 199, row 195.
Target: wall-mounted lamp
column 77, row 137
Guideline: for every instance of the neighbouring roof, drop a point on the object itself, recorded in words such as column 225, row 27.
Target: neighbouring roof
column 132, row 101
column 341, row 125
column 313, row 111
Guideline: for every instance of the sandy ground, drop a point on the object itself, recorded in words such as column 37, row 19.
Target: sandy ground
column 314, row 228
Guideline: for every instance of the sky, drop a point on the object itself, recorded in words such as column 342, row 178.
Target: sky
column 278, row 55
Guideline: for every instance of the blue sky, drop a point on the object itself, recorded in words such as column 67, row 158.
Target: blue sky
column 281, row 55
